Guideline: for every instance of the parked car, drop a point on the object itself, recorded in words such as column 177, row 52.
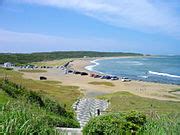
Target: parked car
column 97, row 76
column 70, row 71
column 92, row 75
column 108, row 77
column 125, row 79
column 43, row 78
column 84, row 73
column 105, row 77
column 77, row 72
column 114, row 78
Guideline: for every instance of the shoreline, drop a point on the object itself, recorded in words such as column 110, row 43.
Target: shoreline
column 144, row 89
column 91, row 62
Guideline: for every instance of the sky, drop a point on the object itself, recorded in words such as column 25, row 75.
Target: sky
column 142, row 26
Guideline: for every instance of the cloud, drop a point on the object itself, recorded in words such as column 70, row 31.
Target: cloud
column 142, row 15
column 30, row 42
column 11, row 41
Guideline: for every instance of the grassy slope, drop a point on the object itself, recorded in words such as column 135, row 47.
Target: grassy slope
column 24, row 115
column 33, row 71
column 102, row 83
column 52, row 63
column 124, row 101
column 64, row 94
column 176, row 90
column 3, row 98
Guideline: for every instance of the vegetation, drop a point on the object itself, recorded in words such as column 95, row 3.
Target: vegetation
column 133, row 123
column 162, row 125
column 176, row 90
column 53, row 62
column 33, row 71
column 3, row 98
column 31, row 112
column 115, row 124
column 52, row 89
column 124, row 101
column 44, row 56
column 16, row 118
column 102, row 83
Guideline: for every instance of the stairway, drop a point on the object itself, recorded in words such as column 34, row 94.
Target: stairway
column 86, row 108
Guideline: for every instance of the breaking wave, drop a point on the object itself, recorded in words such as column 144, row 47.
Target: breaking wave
column 130, row 63
column 163, row 74
column 94, row 64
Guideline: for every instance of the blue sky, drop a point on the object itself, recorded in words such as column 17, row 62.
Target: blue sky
column 144, row 26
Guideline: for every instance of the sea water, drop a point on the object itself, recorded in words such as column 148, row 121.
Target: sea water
column 162, row 69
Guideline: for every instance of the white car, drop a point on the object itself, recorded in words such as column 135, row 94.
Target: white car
column 125, row 79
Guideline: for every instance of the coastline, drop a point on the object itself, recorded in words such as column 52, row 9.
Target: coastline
column 82, row 63
column 144, row 89
column 91, row 63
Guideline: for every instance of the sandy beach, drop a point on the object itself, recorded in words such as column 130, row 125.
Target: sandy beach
column 143, row 89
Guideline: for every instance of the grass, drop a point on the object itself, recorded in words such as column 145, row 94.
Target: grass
column 51, row 82
column 19, row 118
column 3, row 98
column 52, row 63
column 29, row 112
column 64, row 94
column 102, row 83
column 124, row 101
column 176, row 90
column 32, row 71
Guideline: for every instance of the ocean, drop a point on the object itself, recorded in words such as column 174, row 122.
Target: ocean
column 162, row 69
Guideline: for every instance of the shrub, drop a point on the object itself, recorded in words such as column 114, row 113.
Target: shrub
column 134, row 121
column 12, row 89
column 34, row 97
column 113, row 124
column 60, row 121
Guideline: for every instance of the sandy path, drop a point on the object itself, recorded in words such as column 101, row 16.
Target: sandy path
column 144, row 89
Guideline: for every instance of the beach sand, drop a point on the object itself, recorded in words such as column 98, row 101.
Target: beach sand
column 143, row 89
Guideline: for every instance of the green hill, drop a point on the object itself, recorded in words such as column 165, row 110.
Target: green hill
column 36, row 57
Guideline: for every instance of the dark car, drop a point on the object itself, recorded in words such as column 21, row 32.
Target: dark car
column 92, row 75
column 97, row 76
column 84, row 73
column 77, row 72
column 108, row 77
column 103, row 77
column 43, row 78
column 114, row 78
column 70, row 71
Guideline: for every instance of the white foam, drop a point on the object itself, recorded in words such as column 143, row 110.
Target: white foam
column 130, row 63
column 94, row 64
column 143, row 76
column 163, row 74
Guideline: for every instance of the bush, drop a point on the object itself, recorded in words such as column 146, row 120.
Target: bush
column 34, row 97
column 13, row 90
column 115, row 124
column 60, row 121
column 134, row 121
